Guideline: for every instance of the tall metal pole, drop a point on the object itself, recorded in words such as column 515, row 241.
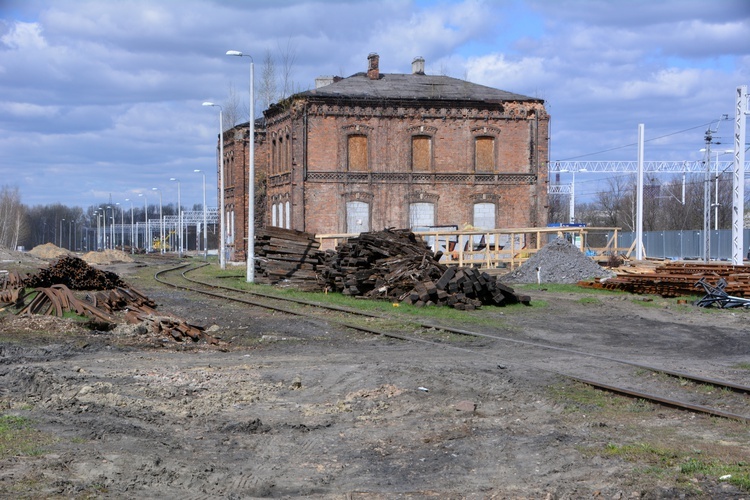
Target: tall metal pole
column 707, row 199
column 161, row 221
column 573, row 199
column 250, row 173
column 179, row 217
column 104, row 228
column 146, row 235
column 222, row 220
column 205, row 217
column 741, row 110
column 132, row 243
column 59, row 239
column 639, row 201
column 122, row 227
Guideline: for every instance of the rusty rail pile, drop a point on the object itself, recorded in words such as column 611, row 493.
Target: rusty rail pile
column 397, row 265
column 675, row 279
column 74, row 273
column 288, row 257
column 101, row 306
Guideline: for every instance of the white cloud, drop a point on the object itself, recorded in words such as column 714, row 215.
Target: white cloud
column 24, row 35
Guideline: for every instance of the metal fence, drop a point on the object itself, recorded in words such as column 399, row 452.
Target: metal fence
column 678, row 245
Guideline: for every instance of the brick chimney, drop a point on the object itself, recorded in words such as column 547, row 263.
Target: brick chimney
column 417, row 66
column 373, row 66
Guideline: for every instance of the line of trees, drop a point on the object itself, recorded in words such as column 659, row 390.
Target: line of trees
column 663, row 207
column 72, row 228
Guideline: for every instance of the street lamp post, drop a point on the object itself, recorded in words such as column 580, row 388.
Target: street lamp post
column 104, row 228
column 179, row 217
column 251, row 173
column 122, row 227
column 96, row 213
column 222, row 238
column 132, row 244
column 205, row 218
column 146, row 236
column 59, row 240
column 161, row 220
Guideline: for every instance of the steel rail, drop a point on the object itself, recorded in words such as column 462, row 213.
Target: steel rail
column 599, row 385
column 425, row 324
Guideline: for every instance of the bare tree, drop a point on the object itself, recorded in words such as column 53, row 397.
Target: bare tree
column 613, row 203
column 288, row 56
column 232, row 111
column 268, row 82
column 12, row 217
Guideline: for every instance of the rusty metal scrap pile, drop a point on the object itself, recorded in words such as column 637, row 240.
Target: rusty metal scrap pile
column 106, row 296
column 676, row 279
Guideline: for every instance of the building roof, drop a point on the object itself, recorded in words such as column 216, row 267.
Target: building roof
column 413, row 87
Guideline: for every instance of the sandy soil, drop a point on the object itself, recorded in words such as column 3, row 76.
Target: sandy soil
column 294, row 408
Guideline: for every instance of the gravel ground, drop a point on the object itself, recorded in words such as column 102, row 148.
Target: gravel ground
column 302, row 408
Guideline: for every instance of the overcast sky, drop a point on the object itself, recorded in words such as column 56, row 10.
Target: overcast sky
column 102, row 98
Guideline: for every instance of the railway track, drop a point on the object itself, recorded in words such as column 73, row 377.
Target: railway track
column 657, row 385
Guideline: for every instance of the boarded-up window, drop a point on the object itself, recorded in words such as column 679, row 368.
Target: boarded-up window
column 485, row 154
column 357, row 217
column 357, row 152
column 421, row 153
column 421, row 215
column 484, row 215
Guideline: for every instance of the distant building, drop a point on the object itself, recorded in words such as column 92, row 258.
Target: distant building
column 378, row 150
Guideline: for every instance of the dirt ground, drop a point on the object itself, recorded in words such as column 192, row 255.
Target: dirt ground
column 293, row 408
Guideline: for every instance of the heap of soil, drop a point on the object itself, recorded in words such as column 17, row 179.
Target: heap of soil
column 558, row 262
column 107, row 257
column 48, row 251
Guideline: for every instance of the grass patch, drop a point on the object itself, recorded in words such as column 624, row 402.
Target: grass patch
column 683, row 465
column 486, row 316
column 659, row 454
column 589, row 301
column 742, row 366
column 579, row 397
column 18, row 437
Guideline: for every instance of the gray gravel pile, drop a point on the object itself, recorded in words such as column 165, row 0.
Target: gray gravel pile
column 558, row 262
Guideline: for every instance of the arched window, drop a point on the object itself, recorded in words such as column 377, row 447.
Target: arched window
column 484, row 154
column 421, row 214
column 484, row 215
column 288, row 214
column 421, row 153
column 273, row 214
column 357, row 217
column 356, row 155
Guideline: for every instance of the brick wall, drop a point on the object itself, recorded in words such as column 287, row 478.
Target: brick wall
column 319, row 202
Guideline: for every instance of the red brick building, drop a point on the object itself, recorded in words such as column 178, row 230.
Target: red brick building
column 378, row 150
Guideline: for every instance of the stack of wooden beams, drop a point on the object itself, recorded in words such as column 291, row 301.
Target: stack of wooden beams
column 287, row 257
column 466, row 289
column 381, row 264
column 676, row 279
column 397, row 265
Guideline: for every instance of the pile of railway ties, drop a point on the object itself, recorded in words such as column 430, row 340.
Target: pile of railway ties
column 71, row 286
column 722, row 285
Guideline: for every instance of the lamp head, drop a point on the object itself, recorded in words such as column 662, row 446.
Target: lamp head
column 172, row 179
column 234, row 53
column 208, row 103
column 197, row 170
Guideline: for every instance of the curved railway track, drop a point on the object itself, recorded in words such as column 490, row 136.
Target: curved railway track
column 735, row 397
